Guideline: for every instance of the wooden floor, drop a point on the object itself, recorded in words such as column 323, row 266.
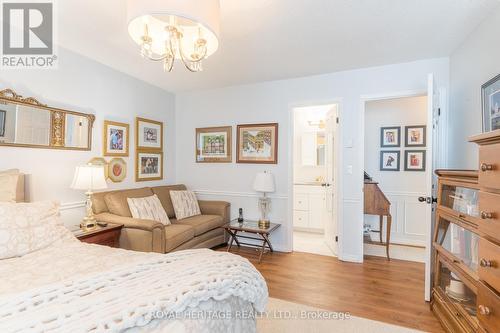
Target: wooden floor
column 391, row 292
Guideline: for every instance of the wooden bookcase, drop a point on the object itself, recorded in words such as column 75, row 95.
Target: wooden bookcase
column 466, row 240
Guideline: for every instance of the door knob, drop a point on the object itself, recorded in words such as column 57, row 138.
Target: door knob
column 486, row 167
column 429, row 200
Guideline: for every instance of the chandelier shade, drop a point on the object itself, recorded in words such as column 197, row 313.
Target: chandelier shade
column 166, row 30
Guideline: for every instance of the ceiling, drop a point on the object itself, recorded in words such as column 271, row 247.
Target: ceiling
column 263, row 40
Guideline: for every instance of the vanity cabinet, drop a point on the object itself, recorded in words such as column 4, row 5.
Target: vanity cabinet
column 466, row 239
column 309, row 208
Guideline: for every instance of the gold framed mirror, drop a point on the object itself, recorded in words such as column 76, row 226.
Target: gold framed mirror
column 25, row 122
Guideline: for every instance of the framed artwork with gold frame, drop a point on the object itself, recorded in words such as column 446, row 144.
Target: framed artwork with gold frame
column 148, row 134
column 213, row 145
column 116, row 139
column 117, row 169
column 148, row 166
column 257, row 143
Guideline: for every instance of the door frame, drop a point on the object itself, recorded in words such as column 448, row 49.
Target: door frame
column 338, row 175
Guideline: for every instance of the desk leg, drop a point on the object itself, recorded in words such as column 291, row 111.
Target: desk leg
column 388, row 237
column 380, row 226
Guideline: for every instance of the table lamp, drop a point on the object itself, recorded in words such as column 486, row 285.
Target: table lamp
column 89, row 178
column 264, row 182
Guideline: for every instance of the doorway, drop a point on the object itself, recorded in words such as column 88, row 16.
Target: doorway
column 395, row 153
column 434, row 152
column 314, row 172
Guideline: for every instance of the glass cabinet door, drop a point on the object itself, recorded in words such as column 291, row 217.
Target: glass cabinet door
column 462, row 200
column 457, row 292
column 458, row 241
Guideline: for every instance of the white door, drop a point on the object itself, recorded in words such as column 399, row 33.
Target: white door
column 432, row 116
column 330, row 183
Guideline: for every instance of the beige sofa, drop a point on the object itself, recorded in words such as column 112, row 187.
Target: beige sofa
column 202, row 231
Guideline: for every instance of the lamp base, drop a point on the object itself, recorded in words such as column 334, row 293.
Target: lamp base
column 88, row 223
column 264, row 224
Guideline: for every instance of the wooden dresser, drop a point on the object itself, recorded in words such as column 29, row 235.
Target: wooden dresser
column 466, row 283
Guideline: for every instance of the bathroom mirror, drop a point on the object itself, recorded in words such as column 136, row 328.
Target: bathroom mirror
column 25, row 122
column 313, row 148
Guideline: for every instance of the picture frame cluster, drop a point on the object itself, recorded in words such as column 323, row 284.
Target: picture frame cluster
column 255, row 143
column 148, row 149
column 414, row 137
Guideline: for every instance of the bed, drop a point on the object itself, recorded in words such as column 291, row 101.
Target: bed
column 56, row 283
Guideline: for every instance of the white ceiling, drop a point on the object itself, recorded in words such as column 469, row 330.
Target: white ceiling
column 264, row 40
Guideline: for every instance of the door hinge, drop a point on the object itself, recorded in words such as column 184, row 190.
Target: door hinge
column 338, row 120
column 439, row 111
column 336, row 238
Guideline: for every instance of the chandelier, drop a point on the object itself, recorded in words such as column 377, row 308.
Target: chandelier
column 166, row 30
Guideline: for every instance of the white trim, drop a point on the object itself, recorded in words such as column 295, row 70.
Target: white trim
column 352, row 258
column 404, row 193
column 238, row 194
column 71, row 205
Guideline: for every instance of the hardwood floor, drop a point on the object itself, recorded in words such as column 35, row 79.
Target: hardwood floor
column 391, row 292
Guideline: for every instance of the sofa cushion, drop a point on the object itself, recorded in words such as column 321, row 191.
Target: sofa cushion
column 163, row 193
column 117, row 200
column 177, row 234
column 201, row 223
column 98, row 203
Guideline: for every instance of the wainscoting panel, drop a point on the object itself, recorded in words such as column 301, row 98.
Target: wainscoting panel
column 408, row 219
column 72, row 213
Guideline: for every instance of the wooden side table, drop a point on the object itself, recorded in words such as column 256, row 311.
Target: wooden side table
column 108, row 235
column 247, row 226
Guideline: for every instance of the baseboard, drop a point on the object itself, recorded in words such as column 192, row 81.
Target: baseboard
column 351, row 258
column 401, row 252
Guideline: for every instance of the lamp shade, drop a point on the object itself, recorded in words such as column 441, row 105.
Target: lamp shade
column 89, row 177
column 264, row 182
column 194, row 17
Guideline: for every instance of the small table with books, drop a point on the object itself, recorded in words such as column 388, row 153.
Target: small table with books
column 235, row 229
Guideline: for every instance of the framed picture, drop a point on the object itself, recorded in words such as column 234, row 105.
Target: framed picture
column 116, row 138
column 213, row 145
column 490, row 96
column 389, row 160
column 3, row 115
column 99, row 161
column 415, row 136
column 257, row 143
column 117, row 170
column 390, row 136
column 148, row 166
column 148, row 134
column 414, row 160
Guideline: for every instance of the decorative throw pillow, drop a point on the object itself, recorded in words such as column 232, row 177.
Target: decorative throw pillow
column 148, row 208
column 28, row 227
column 185, row 204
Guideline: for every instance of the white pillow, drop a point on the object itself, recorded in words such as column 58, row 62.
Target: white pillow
column 27, row 227
column 185, row 204
column 148, row 208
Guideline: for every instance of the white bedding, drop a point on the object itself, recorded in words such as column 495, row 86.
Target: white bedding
column 184, row 283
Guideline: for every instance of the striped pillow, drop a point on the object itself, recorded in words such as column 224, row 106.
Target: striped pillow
column 185, row 204
column 148, row 208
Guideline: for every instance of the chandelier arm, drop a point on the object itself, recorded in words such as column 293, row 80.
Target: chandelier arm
column 184, row 57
